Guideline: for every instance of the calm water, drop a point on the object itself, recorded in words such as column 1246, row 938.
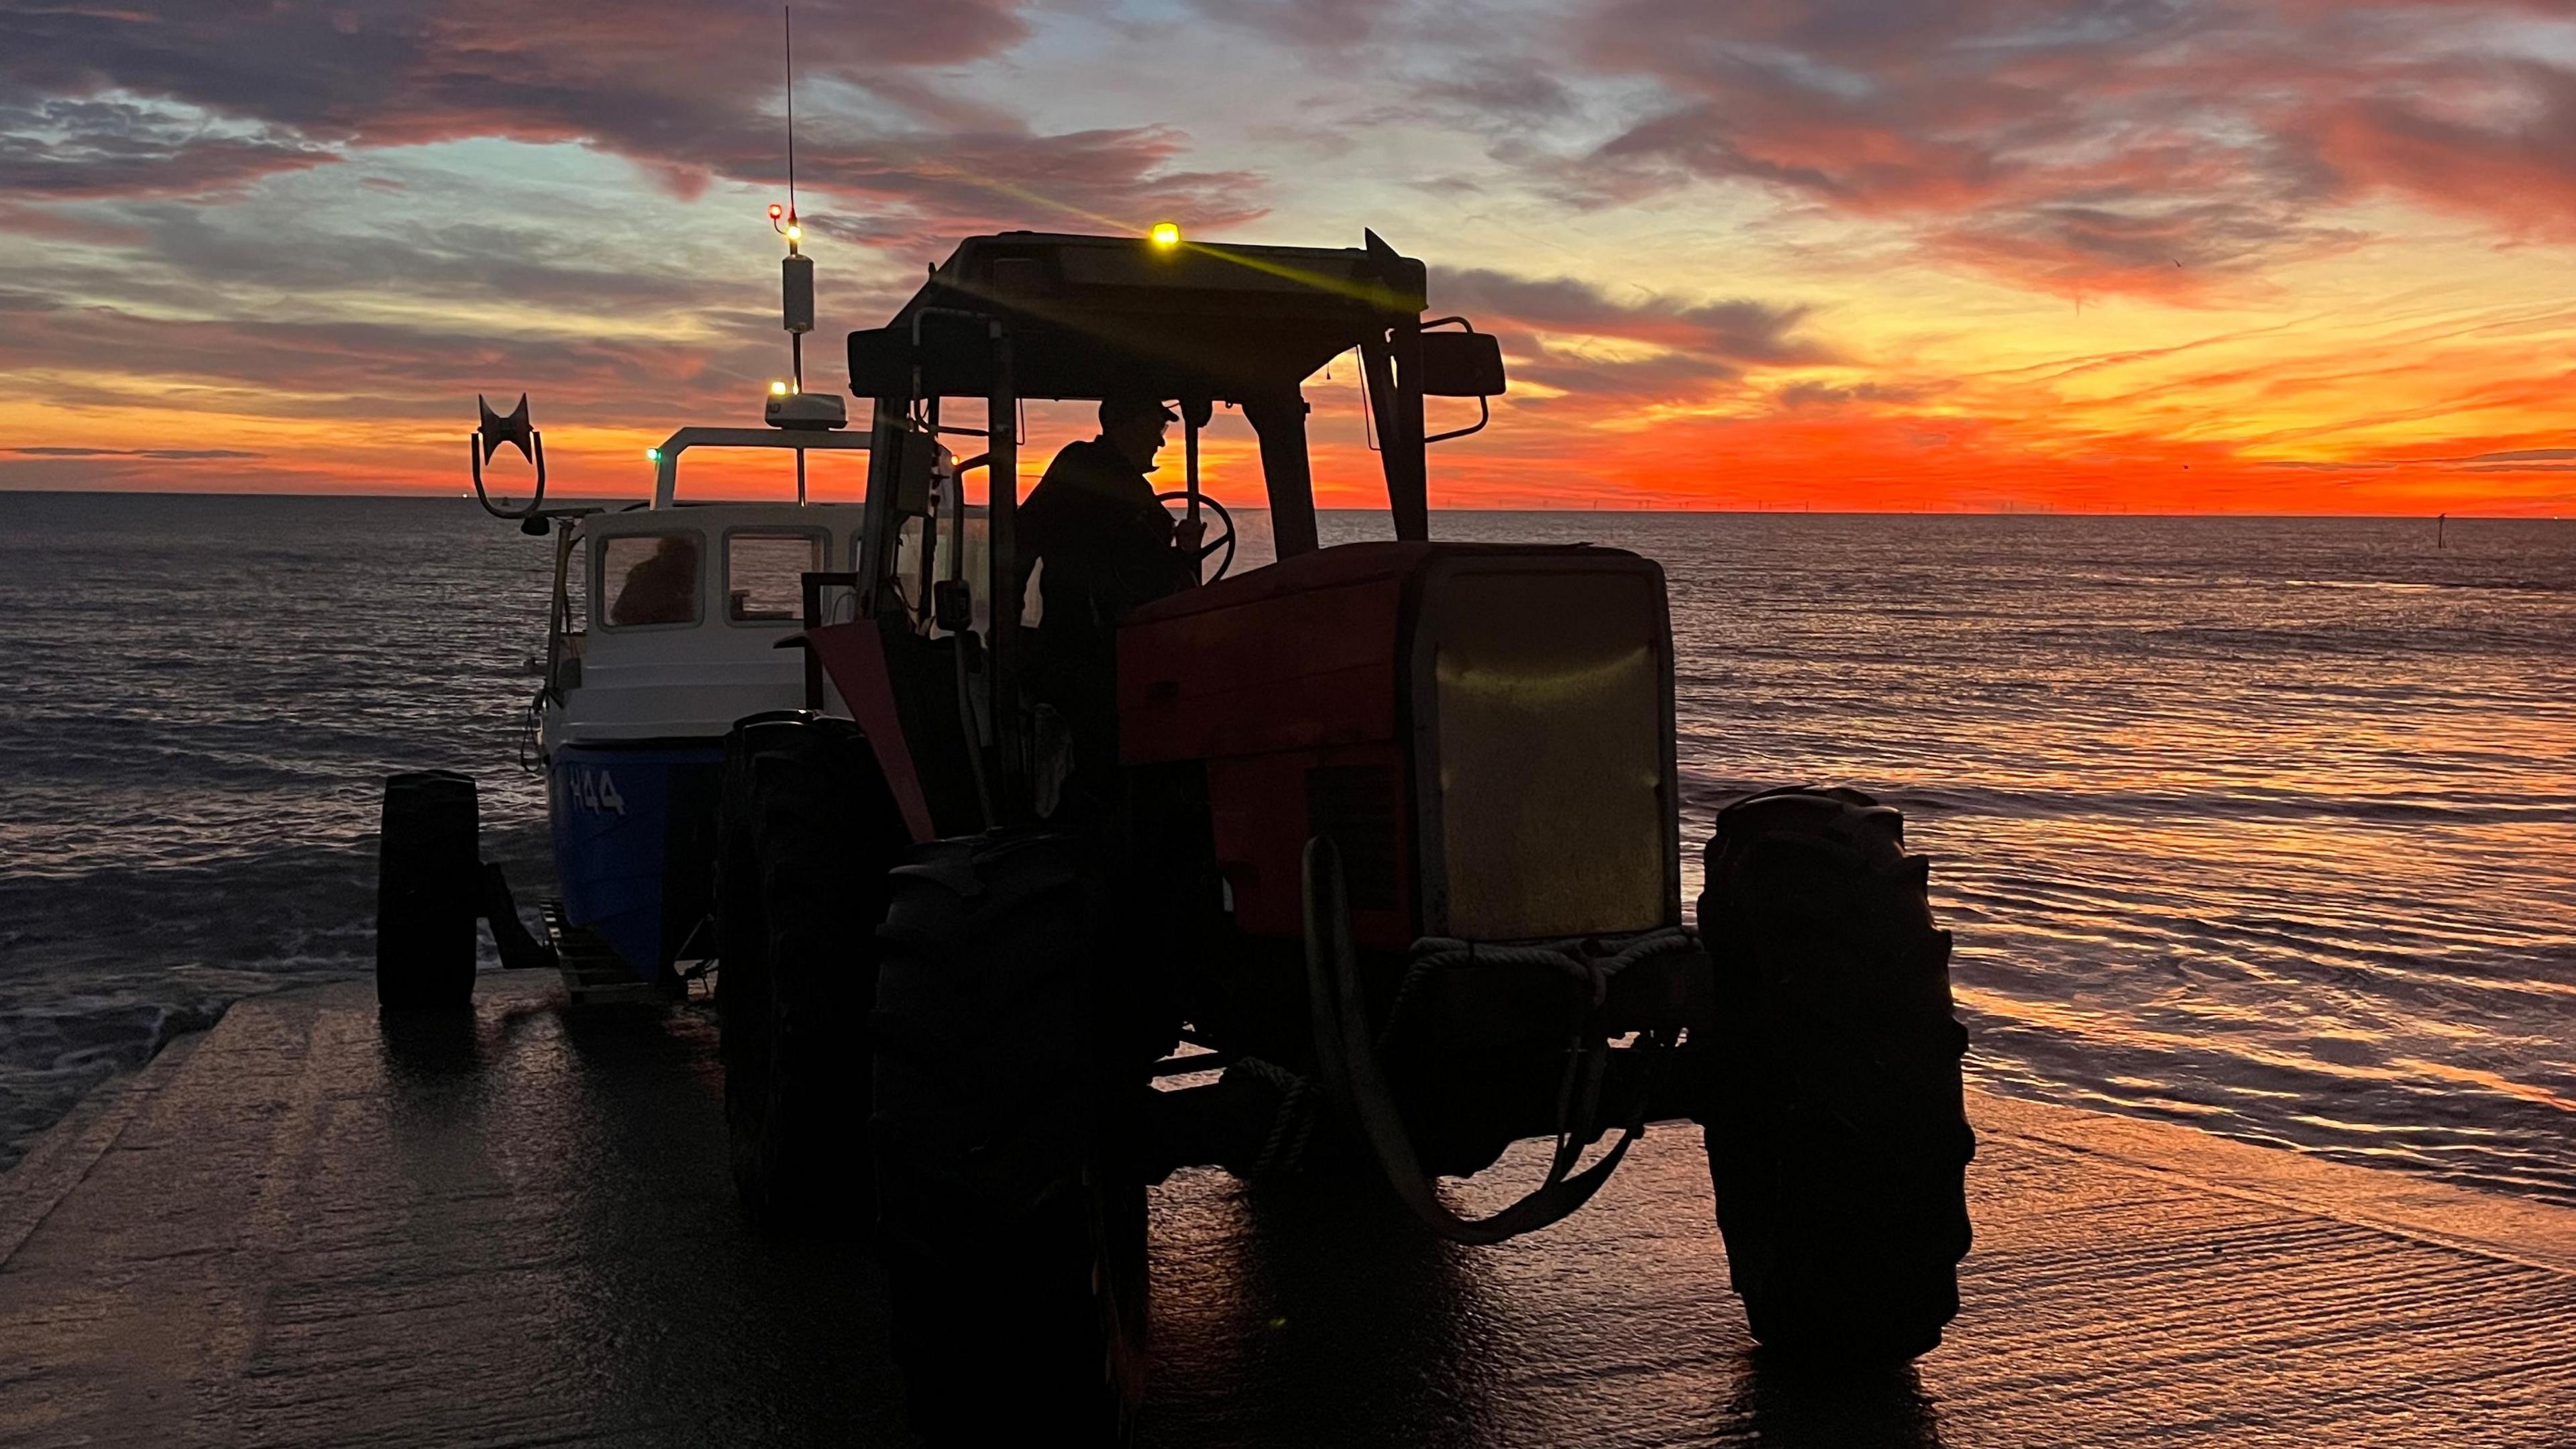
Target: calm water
column 2266, row 825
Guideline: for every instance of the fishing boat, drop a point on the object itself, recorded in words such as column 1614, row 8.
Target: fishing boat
column 669, row 621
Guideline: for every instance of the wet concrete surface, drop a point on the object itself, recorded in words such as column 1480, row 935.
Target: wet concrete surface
column 301, row 1229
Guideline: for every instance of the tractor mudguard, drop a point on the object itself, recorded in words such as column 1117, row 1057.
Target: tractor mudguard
column 853, row 657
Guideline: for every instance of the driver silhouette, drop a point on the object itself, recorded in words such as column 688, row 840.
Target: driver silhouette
column 1099, row 546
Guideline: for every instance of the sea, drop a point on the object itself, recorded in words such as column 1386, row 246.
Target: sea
column 2267, row 826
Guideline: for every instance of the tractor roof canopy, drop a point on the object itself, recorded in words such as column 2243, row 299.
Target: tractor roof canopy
column 1088, row 316
column 1026, row 314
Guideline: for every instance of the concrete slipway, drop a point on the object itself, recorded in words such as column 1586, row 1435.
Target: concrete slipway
column 299, row 1229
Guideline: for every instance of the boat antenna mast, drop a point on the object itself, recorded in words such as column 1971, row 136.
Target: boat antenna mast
column 796, row 270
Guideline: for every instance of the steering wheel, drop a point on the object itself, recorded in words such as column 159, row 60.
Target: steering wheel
column 1224, row 540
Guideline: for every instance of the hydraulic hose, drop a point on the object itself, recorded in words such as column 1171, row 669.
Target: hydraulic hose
column 1346, row 1054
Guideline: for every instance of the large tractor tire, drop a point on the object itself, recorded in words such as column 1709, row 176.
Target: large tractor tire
column 1837, row 1140
column 1011, row 1219
column 429, row 893
column 807, row 833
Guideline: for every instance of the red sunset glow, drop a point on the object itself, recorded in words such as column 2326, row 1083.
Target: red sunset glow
column 2266, row 257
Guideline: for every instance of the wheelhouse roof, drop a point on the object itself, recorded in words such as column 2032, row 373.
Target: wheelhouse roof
column 1088, row 316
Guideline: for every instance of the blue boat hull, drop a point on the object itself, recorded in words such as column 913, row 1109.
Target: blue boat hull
column 634, row 839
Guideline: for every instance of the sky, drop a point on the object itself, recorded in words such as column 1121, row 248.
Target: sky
column 2278, row 256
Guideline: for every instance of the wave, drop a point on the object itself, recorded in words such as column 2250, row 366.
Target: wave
column 2262, row 824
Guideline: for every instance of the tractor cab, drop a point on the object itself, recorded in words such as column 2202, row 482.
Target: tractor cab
column 1025, row 315
column 1368, row 689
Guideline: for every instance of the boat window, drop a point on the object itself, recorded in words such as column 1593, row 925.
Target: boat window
column 765, row 574
column 649, row 578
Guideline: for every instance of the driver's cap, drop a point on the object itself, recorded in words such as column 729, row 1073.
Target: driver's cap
column 1121, row 407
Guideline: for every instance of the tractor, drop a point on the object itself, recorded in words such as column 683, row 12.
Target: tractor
column 1389, row 879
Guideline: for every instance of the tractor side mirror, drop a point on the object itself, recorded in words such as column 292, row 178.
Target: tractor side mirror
column 881, row 362
column 1462, row 364
column 955, row 357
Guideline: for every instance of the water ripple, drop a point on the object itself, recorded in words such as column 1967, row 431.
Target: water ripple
column 2262, row 825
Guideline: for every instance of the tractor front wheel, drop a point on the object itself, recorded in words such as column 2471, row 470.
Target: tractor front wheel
column 808, row 831
column 1836, row 1138
column 1011, row 1225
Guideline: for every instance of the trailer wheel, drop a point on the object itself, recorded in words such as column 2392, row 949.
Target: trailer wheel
column 1837, row 1140
column 808, row 831
column 429, row 893
column 1013, row 1233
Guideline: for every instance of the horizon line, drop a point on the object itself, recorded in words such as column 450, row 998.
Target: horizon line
column 1767, row 512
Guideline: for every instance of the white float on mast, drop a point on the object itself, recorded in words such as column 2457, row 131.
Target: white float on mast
column 789, row 406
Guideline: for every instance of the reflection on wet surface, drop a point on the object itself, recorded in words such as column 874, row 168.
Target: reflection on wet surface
column 1321, row 1314
column 309, row 1230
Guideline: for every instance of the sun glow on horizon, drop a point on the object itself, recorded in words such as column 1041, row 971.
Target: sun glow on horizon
column 2265, row 258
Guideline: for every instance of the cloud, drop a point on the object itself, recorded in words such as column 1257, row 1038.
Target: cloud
column 60, row 149
column 1556, row 325
column 1504, row 90
column 167, row 455
column 1738, row 330
column 643, row 75
column 2527, row 455
column 1323, row 24
column 97, row 102
column 390, row 373
column 1808, row 394
column 2092, row 146
column 2496, row 140
column 2180, row 252
column 454, row 260
column 1117, row 180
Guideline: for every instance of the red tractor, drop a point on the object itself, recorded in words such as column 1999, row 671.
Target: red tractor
column 1392, row 874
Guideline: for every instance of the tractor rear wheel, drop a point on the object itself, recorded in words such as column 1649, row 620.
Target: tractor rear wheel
column 808, row 831
column 1837, row 1141
column 1011, row 1225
